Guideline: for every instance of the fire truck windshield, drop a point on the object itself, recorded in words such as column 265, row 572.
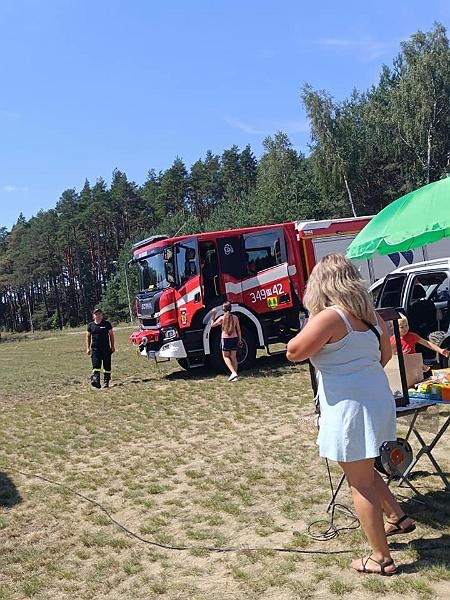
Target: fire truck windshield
column 153, row 271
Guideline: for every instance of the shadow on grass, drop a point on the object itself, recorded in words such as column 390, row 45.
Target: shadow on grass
column 132, row 381
column 276, row 365
column 417, row 474
column 9, row 495
column 191, row 375
column 430, row 551
column 431, row 509
column 265, row 366
column 435, row 514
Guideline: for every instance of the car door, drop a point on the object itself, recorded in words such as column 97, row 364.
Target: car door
column 426, row 314
column 391, row 293
column 429, row 289
column 440, row 295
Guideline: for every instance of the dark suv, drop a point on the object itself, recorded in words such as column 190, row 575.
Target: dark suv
column 421, row 292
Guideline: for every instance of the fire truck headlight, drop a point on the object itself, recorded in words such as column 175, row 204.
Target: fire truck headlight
column 170, row 334
column 144, row 341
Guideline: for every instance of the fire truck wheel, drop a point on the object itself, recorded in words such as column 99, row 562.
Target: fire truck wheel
column 246, row 355
column 184, row 363
column 215, row 358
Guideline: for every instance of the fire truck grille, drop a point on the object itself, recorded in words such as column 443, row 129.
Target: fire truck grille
column 149, row 322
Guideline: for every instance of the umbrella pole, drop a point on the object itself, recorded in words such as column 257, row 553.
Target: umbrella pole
column 401, row 361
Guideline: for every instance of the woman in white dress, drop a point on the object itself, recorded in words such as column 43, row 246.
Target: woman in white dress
column 349, row 345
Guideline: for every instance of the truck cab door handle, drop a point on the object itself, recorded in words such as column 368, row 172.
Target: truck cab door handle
column 197, row 297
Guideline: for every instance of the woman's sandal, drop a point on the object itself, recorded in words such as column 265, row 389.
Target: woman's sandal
column 382, row 566
column 397, row 529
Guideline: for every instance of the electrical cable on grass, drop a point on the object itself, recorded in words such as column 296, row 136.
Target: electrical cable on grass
column 207, row 548
column 169, row 546
column 332, row 530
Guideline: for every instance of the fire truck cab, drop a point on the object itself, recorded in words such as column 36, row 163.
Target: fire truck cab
column 181, row 279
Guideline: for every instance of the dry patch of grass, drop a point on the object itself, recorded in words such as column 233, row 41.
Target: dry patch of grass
column 185, row 460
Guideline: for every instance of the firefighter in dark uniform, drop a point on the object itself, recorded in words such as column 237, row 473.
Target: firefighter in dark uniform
column 100, row 345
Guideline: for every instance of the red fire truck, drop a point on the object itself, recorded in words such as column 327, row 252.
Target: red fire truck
column 262, row 271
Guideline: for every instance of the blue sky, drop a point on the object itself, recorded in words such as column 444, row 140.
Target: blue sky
column 91, row 85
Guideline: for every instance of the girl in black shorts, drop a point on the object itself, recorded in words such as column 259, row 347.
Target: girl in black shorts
column 231, row 338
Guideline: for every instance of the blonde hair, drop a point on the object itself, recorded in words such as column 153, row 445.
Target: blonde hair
column 227, row 323
column 335, row 281
column 403, row 321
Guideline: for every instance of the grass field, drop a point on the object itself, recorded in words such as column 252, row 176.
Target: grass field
column 186, row 460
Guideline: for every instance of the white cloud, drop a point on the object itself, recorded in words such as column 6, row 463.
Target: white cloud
column 300, row 126
column 269, row 128
column 245, row 127
column 13, row 188
column 368, row 48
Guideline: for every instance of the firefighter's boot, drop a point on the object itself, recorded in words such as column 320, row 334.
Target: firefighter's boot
column 95, row 379
column 106, row 380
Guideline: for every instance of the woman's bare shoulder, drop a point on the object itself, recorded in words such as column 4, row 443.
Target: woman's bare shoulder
column 328, row 314
column 325, row 318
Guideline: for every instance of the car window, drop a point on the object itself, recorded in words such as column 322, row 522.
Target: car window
column 431, row 286
column 375, row 290
column 391, row 293
column 440, row 293
column 186, row 258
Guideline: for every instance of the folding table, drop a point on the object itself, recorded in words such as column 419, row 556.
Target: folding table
column 415, row 408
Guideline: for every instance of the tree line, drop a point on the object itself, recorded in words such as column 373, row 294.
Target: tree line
column 365, row 152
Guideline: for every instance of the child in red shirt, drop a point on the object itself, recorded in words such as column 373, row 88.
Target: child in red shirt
column 409, row 339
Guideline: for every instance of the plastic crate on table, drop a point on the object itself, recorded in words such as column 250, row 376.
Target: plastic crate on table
column 424, row 397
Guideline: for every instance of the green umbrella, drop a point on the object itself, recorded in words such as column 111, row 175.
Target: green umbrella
column 418, row 218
